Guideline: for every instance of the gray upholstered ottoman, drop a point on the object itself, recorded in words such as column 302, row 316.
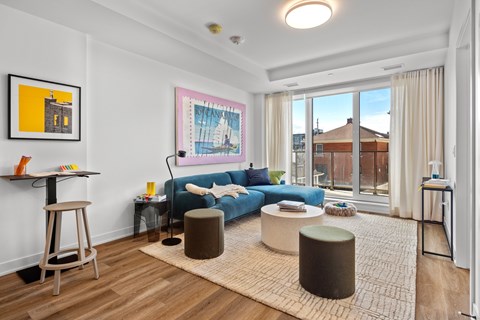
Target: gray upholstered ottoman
column 327, row 261
column 203, row 233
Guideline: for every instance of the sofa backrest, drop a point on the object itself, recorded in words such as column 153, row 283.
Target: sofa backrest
column 201, row 180
column 239, row 177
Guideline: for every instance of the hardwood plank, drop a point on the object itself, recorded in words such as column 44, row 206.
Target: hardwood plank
column 73, row 308
column 135, row 302
column 133, row 285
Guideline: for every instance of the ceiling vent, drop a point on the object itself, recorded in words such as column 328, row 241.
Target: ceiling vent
column 393, row 67
column 289, row 85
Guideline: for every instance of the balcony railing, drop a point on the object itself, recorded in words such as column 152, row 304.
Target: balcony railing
column 333, row 170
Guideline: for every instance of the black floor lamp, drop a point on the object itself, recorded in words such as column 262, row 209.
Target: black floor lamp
column 172, row 241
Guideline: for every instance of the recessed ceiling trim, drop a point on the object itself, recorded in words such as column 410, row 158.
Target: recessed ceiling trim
column 404, row 47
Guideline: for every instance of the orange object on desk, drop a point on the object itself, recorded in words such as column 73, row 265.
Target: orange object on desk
column 20, row 169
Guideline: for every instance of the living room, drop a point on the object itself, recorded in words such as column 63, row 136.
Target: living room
column 128, row 69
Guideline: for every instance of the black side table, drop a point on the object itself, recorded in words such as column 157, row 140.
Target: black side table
column 151, row 213
column 447, row 189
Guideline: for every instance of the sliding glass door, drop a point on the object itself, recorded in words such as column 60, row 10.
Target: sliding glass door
column 347, row 142
column 373, row 141
column 332, row 143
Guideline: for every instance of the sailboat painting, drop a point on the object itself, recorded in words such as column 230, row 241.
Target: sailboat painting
column 210, row 129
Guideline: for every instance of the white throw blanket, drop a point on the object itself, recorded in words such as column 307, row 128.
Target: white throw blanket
column 229, row 190
column 217, row 191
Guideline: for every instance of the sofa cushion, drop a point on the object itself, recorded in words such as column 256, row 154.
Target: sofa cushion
column 258, row 177
column 238, row 177
column 185, row 201
column 276, row 193
column 244, row 204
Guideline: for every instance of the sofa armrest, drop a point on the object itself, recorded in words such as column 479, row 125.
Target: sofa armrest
column 185, row 201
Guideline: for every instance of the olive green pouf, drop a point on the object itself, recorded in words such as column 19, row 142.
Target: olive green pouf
column 203, row 233
column 327, row 261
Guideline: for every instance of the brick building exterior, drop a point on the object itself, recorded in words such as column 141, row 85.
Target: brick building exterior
column 333, row 158
column 58, row 116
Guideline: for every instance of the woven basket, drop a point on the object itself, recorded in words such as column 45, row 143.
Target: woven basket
column 333, row 210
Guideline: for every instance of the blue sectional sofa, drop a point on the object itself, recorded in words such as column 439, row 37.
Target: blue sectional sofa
column 258, row 196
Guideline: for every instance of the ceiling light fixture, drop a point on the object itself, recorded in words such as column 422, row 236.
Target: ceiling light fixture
column 308, row 14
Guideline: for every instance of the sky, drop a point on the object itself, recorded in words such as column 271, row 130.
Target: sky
column 332, row 111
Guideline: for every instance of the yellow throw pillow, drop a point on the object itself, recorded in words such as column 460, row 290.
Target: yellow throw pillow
column 276, row 176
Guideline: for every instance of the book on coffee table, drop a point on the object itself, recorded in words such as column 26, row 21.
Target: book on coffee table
column 291, row 206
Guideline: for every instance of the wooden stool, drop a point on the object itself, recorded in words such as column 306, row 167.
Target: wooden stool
column 55, row 216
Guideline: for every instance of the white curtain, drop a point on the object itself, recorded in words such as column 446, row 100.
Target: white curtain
column 416, row 137
column 278, row 133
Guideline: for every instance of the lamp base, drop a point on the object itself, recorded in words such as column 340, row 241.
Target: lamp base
column 171, row 241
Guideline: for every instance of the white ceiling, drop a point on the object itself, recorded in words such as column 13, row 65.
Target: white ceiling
column 361, row 38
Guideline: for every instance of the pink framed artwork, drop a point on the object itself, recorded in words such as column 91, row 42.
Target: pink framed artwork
column 210, row 129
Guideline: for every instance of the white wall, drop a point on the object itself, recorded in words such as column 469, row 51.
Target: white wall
column 36, row 48
column 127, row 132
column 461, row 220
column 131, row 131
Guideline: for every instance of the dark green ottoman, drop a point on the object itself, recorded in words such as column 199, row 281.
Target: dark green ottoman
column 327, row 261
column 203, row 233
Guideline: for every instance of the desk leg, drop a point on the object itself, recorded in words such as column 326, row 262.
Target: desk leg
column 32, row 274
column 423, row 225
column 51, row 186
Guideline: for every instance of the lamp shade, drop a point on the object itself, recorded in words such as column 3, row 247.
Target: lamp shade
column 181, row 153
column 308, row 14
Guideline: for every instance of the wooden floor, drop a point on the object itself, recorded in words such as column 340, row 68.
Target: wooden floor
column 133, row 285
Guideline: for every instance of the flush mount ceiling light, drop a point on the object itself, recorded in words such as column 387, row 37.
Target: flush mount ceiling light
column 308, row 14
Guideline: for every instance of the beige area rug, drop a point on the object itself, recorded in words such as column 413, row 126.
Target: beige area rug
column 386, row 250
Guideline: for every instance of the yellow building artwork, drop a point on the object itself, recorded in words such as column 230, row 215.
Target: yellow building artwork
column 40, row 110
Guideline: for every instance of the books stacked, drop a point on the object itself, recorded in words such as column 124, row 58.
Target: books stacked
column 291, row 206
column 150, row 198
column 437, row 183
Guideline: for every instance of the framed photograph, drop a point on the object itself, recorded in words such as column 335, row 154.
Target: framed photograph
column 42, row 110
column 210, row 129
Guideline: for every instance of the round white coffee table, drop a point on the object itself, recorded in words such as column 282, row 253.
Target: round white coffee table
column 280, row 230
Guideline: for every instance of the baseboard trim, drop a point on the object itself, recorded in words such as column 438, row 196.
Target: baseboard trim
column 31, row 260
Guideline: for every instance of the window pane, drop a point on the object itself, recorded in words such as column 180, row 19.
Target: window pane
column 374, row 141
column 298, row 141
column 332, row 143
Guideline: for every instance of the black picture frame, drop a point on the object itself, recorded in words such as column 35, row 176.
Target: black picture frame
column 43, row 110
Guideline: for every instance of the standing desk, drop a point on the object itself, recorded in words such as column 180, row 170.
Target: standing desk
column 32, row 274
